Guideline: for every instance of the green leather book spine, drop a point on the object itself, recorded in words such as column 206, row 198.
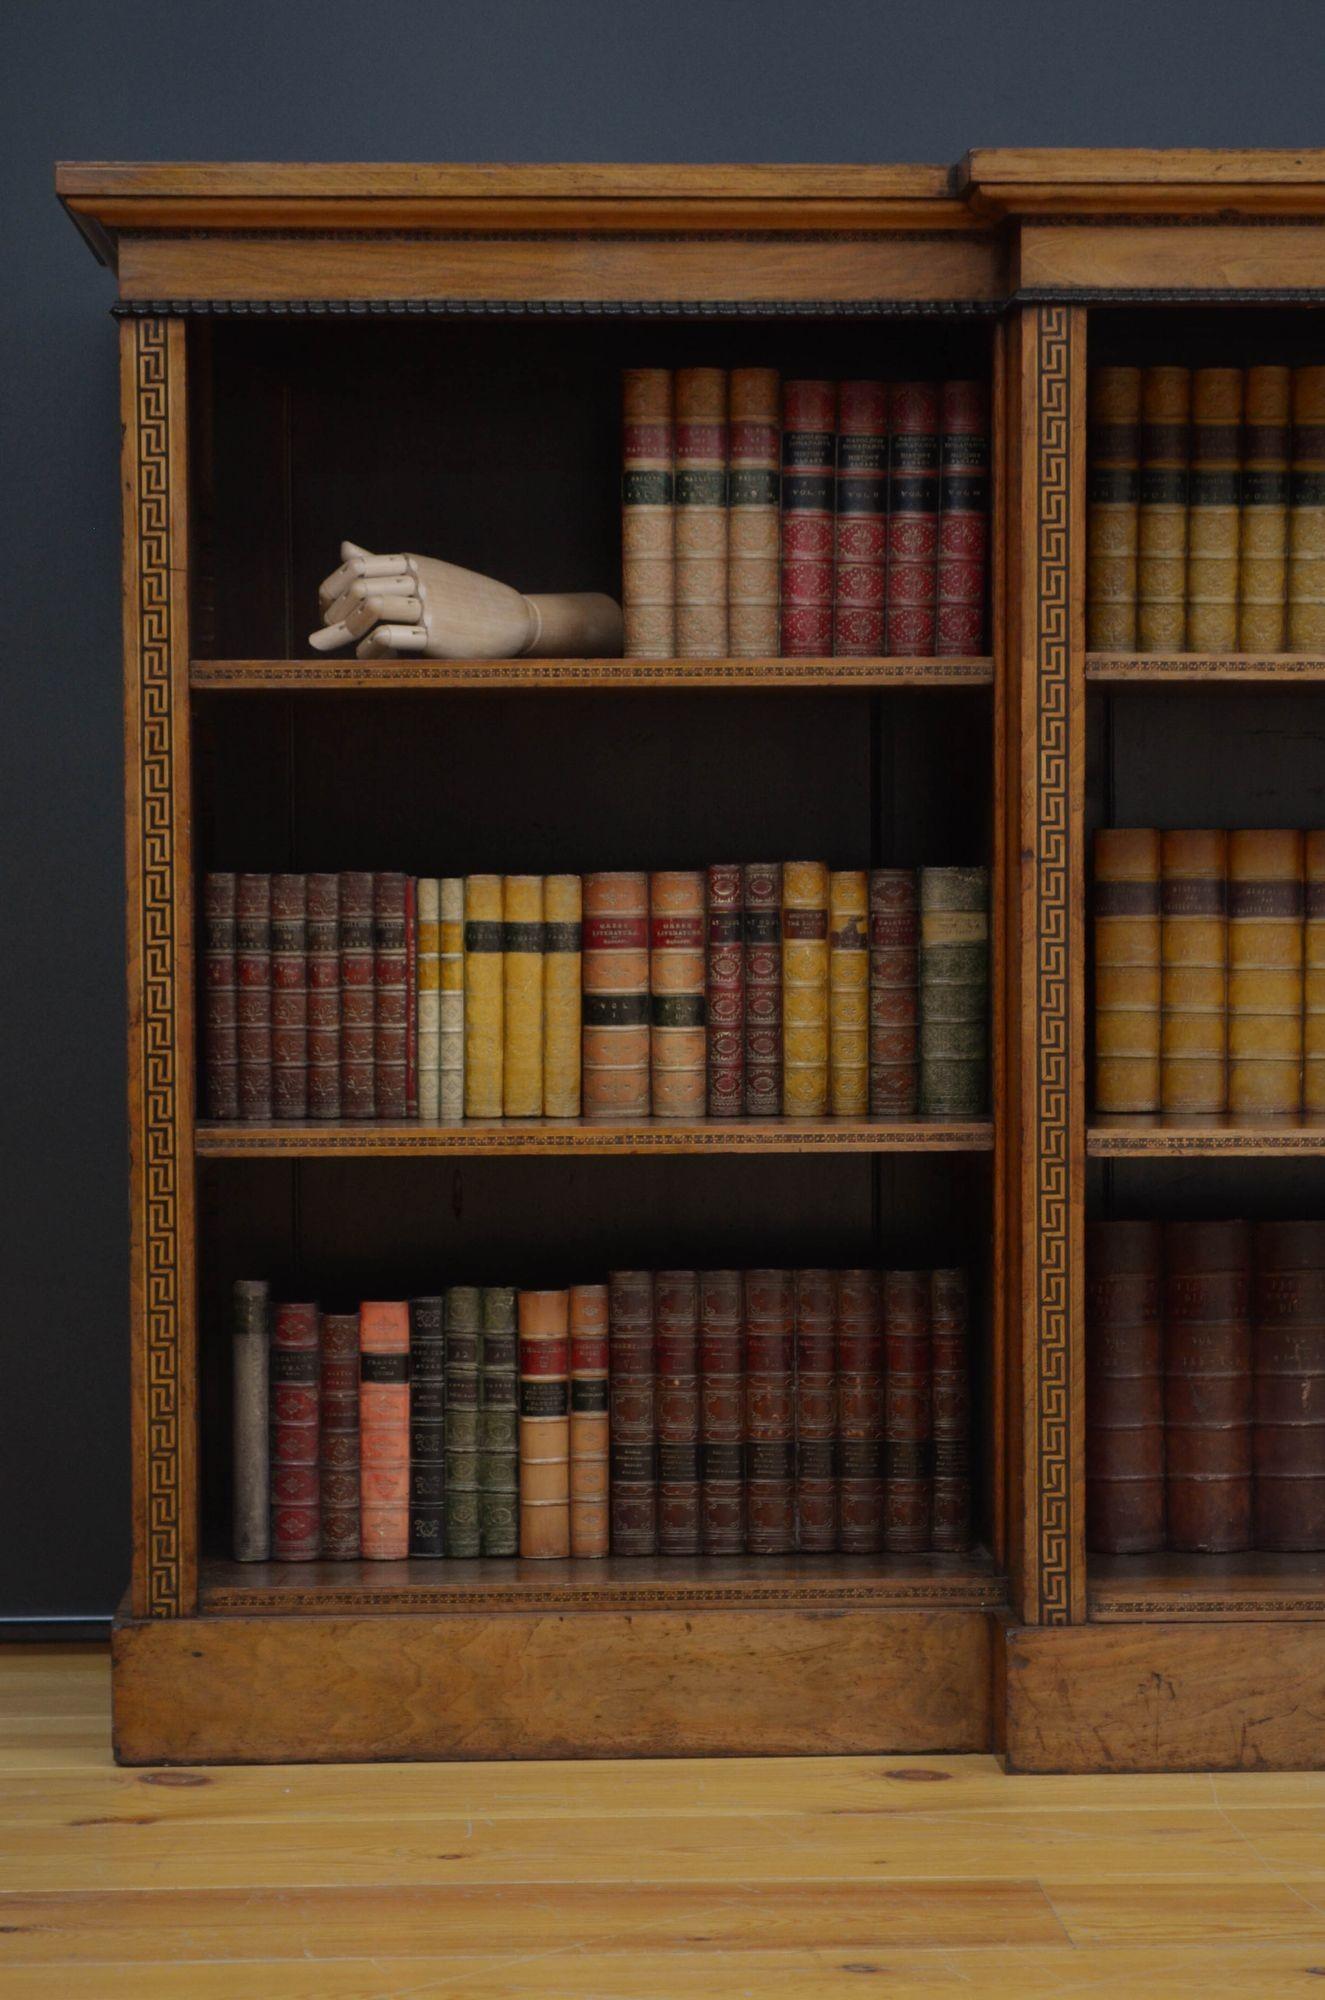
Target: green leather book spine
column 464, row 1343
column 954, row 991
column 499, row 1458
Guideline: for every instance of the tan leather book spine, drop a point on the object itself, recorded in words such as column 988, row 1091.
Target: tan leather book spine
column 451, row 999
column 590, row 1424
column 615, row 1054
column 427, row 938
column 677, row 1041
column 544, row 1425
column 1193, row 1070
column 1306, row 520
column 1161, row 571
column 701, row 513
column 648, row 554
column 1207, row 1386
column 1263, row 544
column 848, row 993
column 562, row 962
column 1114, row 418
column 1127, row 969
column 522, row 991
column 484, row 1056
column 1288, row 1438
column 1265, row 947
column 1213, row 516
column 753, row 481
column 804, row 989
column 384, row 1430
column 1313, row 972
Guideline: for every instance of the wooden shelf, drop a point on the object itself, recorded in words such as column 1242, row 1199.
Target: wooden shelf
column 573, row 1135
column 1208, row 670
column 322, row 675
column 1157, row 1589
column 1153, row 1135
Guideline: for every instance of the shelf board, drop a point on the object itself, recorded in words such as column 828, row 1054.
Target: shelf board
column 573, row 1135
column 617, row 1583
column 1150, row 1135
column 1157, row 1589
column 323, row 675
column 1200, row 669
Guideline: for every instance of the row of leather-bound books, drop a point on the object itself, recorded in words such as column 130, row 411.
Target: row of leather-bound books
column 1209, row 970
column 758, row 1412
column 742, row 990
column 1206, row 515
column 1205, row 1386
column 764, row 518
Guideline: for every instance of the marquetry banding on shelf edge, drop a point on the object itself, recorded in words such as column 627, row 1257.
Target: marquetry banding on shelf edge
column 964, row 1594
column 1108, row 1610
column 1204, row 667
column 239, row 1141
column 415, row 675
column 1191, row 1145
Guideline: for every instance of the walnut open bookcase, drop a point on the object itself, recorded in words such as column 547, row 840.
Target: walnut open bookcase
column 436, row 350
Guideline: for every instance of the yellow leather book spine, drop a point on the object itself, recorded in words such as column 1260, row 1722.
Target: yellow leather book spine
column 1161, row 571
column 428, row 975
column 1306, row 525
column 544, row 1425
column 1263, row 557
column 677, row 1040
column 590, row 1421
column 522, row 989
column 1313, row 1010
column 804, row 989
column 1212, row 521
column 848, row 992
column 1114, row 417
column 1265, row 950
column 561, row 996
column 451, row 999
column 483, row 996
column 1127, row 969
column 1194, row 987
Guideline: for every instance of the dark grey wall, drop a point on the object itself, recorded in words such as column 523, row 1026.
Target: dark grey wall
column 856, row 80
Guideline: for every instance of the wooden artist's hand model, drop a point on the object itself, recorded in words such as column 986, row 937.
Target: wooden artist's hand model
column 414, row 604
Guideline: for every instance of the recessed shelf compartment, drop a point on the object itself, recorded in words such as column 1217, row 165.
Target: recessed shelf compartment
column 570, row 1135
column 1168, row 1585
column 322, row 675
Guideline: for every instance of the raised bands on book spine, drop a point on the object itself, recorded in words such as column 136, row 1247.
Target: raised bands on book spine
column 954, row 991
column 590, row 1438
column 1127, row 969
column 1306, row 520
column 1313, row 972
column 544, row 1424
column 340, row 1437
column 323, row 935
column 1112, row 493
column 762, row 929
column 296, row 1506
column 289, row 996
column 634, row 1414
column 464, row 1341
column 358, row 997
column 949, row 1323
column 913, row 517
column 804, row 989
column 391, row 1010
column 1265, row 953
column 861, row 525
column 648, row 590
column 816, row 1413
column 522, row 983
column 677, row 1041
column 894, row 993
column 848, row 993
column 1124, row 1388
column 701, row 513
column 1207, row 1385
column 809, row 424
column 724, row 992
column 253, row 978
column 858, row 1334
column 427, row 1427
column 1161, row 568
column 770, row 1413
column 1212, row 521
column 616, row 996
column 753, row 489
column 722, row 1413
column 1288, row 1442
column 451, row 999
column 498, row 1425
column 562, row 971
column 1263, row 533
column 429, row 991
column 908, row 1492
column 251, row 1419
column 1194, row 973
column 484, row 1056
column 963, row 559
column 676, row 1320
column 220, row 996
column 384, row 1429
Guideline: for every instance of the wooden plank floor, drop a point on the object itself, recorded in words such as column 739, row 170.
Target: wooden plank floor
column 923, row 1875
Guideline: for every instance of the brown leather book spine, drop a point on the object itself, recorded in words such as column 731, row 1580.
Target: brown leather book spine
column 770, row 1413
column 323, row 996
column 289, row 996
column 427, row 1426
column 677, row 1041
column 1213, row 511
column 1127, row 969
column 544, row 1425
column 913, row 517
column 384, row 1430
column 762, row 929
column 908, row 1490
column 809, row 426
column 859, row 1344
column 1306, row 515
column 949, row 1327
column 848, row 992
column 1265, row 952
column 1193, row 1062
column 676, row 1309
column 411, row 996
column 1112, row 493
column 358, row 996
column 590, row 1422
column 391, row 1004
column 816, row 1412
column 296, row 1507
column 722, row 1413
column 616, row 996
column 1313, row 972
column 754, row 450
column 861, row 525
column 724, row 992
column 253, row 979
column 632, row 1396
column 220, row 1019
column 648, row 588
column 894, row 993
column 1263, row 542
column 1124, row 1388
column 1161, row 569
column 701, row 513
column 250, row 1457
column 1207, row 1385
column 963, row 561
column 804, row 989
column 1288, row 1440
column 339, row 1414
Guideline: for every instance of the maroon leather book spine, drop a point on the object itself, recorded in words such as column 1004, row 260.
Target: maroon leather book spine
column 296, row 1498
column 253, row 979
column 391, row 1010
column 1207, row 1385
column 289, row 996
column 722, row 1413
column 358, row 996
column 859, row 1344
column 949, row 1330
column 676, row 1310
column 809, row 421
column 861, row 525
column 324, row 996
column 908, row 1490
column 816, row 1412
column 632, row 1399
column 963, row 558
column 770, row 1413
column 411, row 997
column 762, row 927
column 894, row 993
column 913, row 517
column 1124, row 1388
column 220, row 1021
column 339, row 1442
column 1288, row 1442
column 725, row 990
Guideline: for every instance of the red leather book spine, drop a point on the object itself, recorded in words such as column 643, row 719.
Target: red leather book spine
column 1124, row 1388
column 411, row 997
column 339, row 1448
column 949, row 1335
column 633, row 1399
column 894, row 993
column 859, row 1342
column 358, row 996
column 384, row 1429
column 913, row 517
column 323, row 996
column 289, row 996
column 296, row 1533
column 963, row 557
column 725, row 991
column 676, row 1308
column 722, row 1413
column 391, row 1003
column 1288, row 1443
column 762, row 928
column 770, row 1413
column 861, row 525
column 253, row 978
column 809, row 420
column 220, row 996
column 816, row 1412
column 908, row 1493
column 1207, row 1385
